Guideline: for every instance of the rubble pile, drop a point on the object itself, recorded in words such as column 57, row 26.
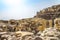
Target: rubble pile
column 44, row 26
column 47, row 34
column 51, row 34
column 31, row 25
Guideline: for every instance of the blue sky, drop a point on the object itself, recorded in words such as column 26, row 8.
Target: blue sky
column 19, row 9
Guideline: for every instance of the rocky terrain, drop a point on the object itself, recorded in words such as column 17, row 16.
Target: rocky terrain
column 47, row 34
column 45, row 25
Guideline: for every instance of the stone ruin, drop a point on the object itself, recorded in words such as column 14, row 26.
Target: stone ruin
column 43, row 26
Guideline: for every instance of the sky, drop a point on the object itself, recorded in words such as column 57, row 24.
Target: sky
column 19, row 9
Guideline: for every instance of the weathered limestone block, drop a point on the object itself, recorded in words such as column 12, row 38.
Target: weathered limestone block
column 57, row 23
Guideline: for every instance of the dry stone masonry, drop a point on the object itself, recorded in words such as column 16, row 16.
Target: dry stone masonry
column 45, row 25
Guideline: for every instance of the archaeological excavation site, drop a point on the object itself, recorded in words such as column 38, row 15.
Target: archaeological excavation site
column 45, row 25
